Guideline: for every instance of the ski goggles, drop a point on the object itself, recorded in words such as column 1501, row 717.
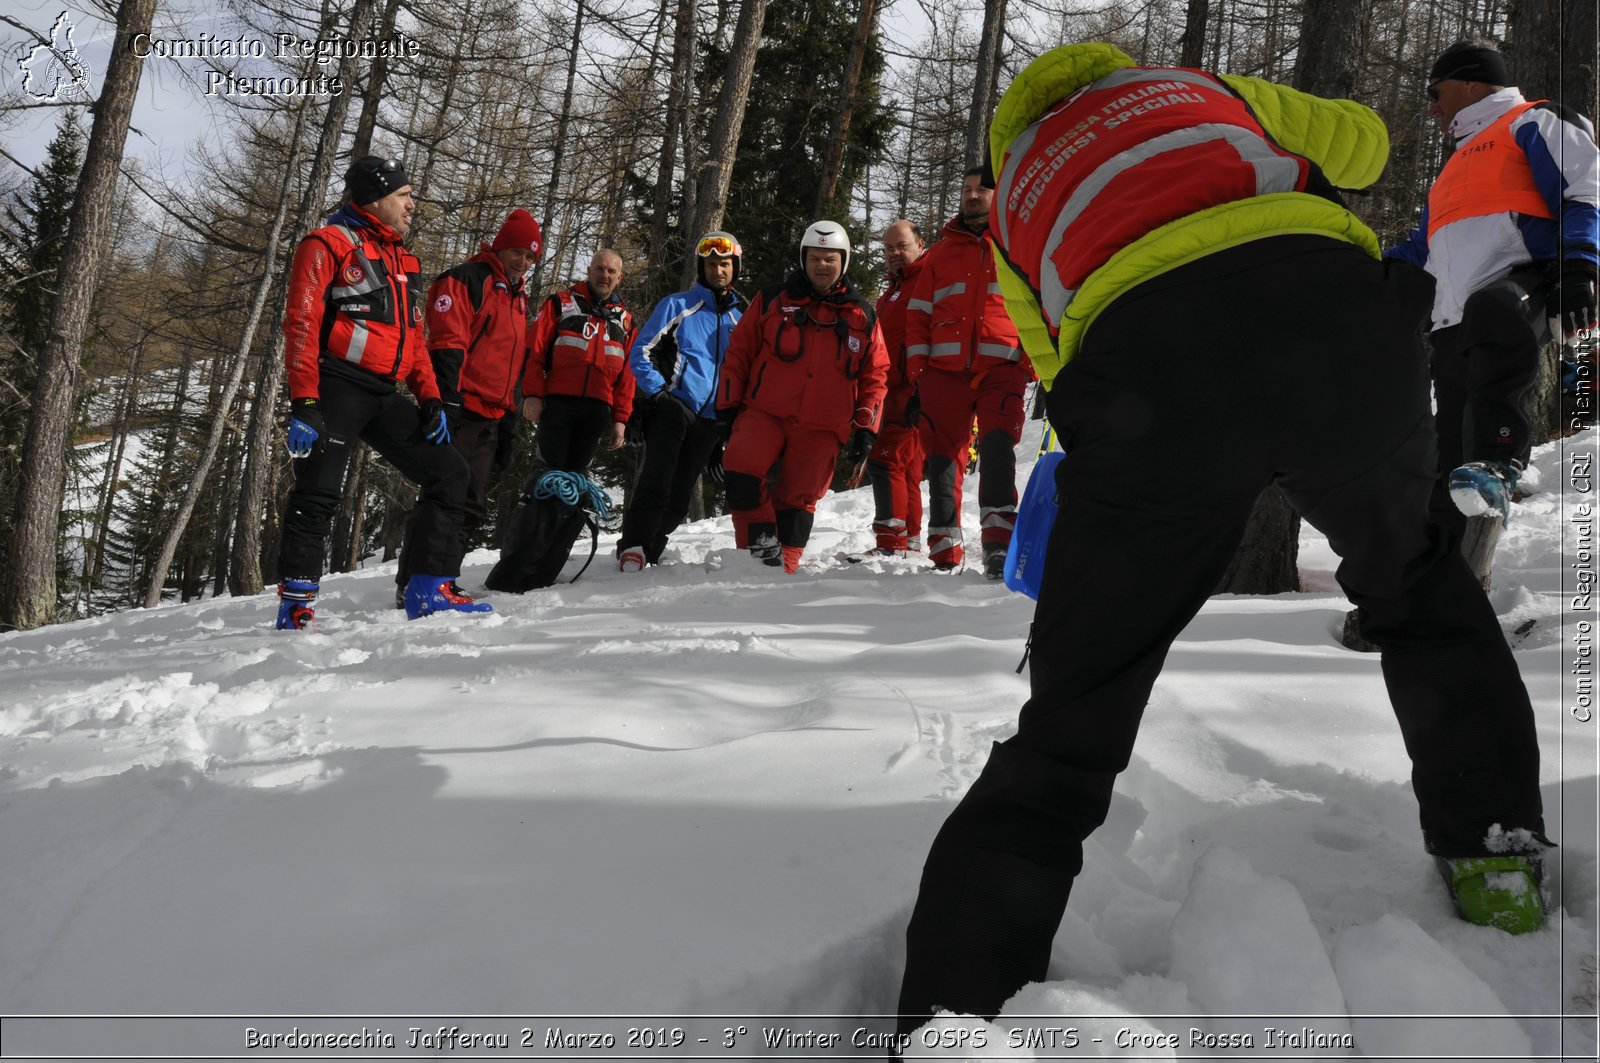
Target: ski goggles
column 716, row 245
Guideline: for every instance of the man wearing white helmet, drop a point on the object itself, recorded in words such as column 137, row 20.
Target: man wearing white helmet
column 676, row 359
column 805, row 374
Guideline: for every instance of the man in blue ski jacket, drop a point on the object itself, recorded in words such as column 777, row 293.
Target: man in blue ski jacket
column 676, row 360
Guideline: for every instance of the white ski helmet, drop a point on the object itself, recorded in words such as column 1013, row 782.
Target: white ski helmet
column 830, row 236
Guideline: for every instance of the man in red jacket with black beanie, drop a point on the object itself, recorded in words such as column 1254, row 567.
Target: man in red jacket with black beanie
column 478, row 343
column 352, row 328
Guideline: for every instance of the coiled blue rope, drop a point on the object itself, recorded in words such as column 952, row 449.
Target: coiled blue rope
column 572, row 488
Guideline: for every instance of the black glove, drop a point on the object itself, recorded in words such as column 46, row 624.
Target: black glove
column 861, row 445
column 435, row 424
column 307, row 429
column 714, row 464
column 505, row 444
column 638, row 424
column 1574, row 299
column 725, row 419
column 913, row 409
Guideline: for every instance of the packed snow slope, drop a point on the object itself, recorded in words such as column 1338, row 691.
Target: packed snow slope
column 707, row 789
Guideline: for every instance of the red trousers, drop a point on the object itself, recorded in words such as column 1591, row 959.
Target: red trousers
column 808, row 456
column 895, row 468
column 949, row 401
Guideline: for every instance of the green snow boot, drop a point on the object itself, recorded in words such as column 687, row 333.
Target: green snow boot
column 1497, row 891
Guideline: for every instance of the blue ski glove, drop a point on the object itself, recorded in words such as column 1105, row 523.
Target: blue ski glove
column 435, row 425
column 306, row 427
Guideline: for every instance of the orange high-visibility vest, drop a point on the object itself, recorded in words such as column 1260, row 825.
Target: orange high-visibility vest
column 1489, row 174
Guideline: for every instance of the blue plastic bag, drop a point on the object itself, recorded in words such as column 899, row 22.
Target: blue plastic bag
column 1036, row 515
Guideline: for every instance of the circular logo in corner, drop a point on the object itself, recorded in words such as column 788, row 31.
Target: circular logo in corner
column 443, row 304
column 354, row 274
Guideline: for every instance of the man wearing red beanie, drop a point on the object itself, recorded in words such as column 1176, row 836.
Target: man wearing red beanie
column 478, row 343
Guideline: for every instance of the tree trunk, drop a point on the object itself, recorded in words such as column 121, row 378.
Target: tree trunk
column 28, row 586
column 1332, row 40
column 1192, row 45
column 847, row 103
column 1267, row 559
column 372, row 91
column 983, row 95
column 250, row 528
column 716, row 172
column 560, row 148
column 1477, row 546
column 678, row 94
column 224, row 406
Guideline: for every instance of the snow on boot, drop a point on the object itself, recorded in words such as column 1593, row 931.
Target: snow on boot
column 295, row 604
column 439, row 594
column 914, row 544
column 994, row 561
column 791, row 558
column 764, row 544
column 1497, row 891
column 1483, row 489
column 631, row 559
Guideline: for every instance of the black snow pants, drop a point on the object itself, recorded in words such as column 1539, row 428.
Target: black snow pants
column 357, row 404
column 676, row 446
column 1298, row 360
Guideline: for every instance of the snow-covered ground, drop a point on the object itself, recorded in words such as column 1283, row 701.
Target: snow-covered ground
column 707, row 790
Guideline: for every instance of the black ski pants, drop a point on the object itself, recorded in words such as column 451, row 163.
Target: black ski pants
column 1297, row 360
column 475, row 439
column 677, row 444
column 570, row 430
column 355, row 405
column 1483, row 375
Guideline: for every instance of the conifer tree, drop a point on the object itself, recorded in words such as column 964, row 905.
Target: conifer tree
column 783, row 144
column 33, row 235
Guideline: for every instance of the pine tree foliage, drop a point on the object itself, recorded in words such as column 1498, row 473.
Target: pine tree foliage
column 33, row 235
column 783, row 146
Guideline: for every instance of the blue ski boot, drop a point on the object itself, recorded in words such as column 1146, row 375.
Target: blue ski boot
column 295, row 604
column 439, row 594
column 1483, row 489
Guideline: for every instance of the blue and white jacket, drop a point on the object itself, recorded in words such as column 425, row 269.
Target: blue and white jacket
column 1470, row 253
column 680, row 348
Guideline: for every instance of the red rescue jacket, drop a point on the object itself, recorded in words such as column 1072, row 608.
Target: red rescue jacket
column 956, row 319
column 580, row 348
column 478, row 334
column 355, row 294
column 814, row 360
column 892, row 321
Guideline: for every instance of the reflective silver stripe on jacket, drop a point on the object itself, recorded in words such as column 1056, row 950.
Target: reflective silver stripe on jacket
column 920, row 304
column 1055, row 296
column 615, row 350
column 958, row 288
column 1274, row 173
column 916, row 350
column 567, row 339
column 1004, row 352
column 358, row 341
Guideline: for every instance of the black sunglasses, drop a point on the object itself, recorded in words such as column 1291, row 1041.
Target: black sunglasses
column 1433, row 92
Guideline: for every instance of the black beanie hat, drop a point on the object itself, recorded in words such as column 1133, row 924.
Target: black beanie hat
column 372, row 177
column 1470, row 61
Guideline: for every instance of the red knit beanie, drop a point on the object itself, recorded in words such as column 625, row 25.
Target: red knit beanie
column 519, row 230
